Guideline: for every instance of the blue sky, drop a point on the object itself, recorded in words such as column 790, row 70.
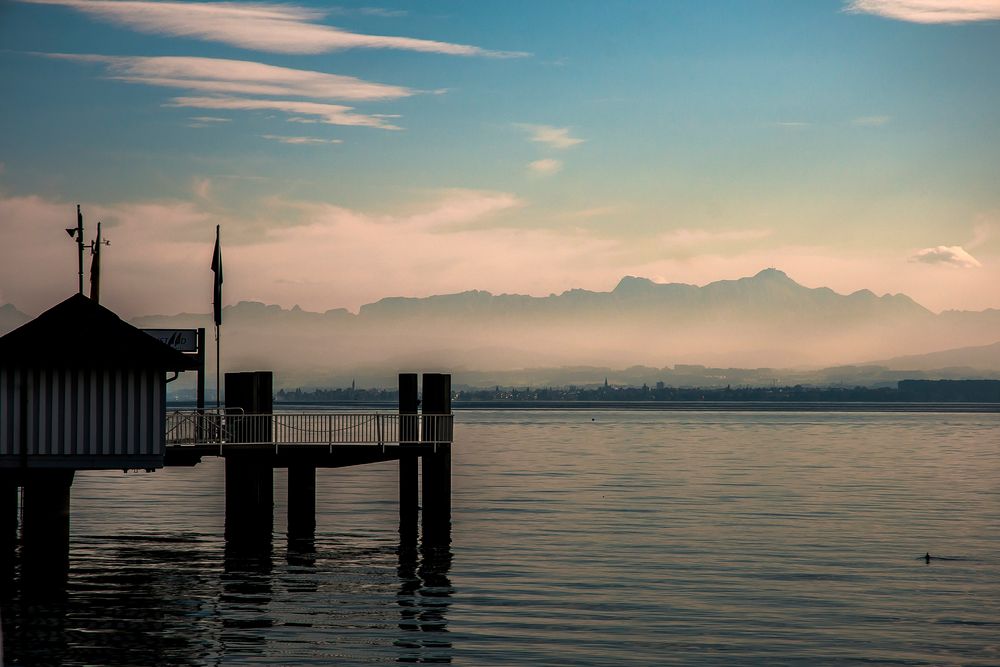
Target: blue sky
column 354, row 151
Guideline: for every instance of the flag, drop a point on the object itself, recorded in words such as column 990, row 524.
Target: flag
column 95, row 268
column 217, row 269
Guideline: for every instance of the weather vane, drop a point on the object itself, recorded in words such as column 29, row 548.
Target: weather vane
column 95, row 250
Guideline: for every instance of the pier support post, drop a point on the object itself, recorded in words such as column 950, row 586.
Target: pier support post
column 436, row 518
column 249, row 499
column 249, row 479
column 409, row 422
column 409, row 434
column 8, row 519
column 45, row 524
column 301, row 501
column 409, row 496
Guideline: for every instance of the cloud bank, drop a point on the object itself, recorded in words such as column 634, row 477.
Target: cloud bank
column 953, row 255
column 271, row 27
column 929, row 11
column 323, row 256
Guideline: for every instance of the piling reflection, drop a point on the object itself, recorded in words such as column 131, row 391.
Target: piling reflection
column 181, row 599
column 245, row 596
column 424, row 596
column 124, row 605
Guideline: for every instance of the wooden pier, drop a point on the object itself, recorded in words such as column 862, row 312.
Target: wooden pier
column 254, row 441
column 62, row 411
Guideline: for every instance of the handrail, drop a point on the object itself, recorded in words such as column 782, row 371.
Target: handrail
column 191, row 427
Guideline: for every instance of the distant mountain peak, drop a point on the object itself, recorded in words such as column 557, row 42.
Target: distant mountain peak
column 772, row 274
column 633, row 284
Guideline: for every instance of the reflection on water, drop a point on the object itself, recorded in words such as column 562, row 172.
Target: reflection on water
column 633, row 539
column 152, row 581
column 148, row 600
column 424, row 597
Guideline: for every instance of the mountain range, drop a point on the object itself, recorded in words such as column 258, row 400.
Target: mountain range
column 766, row 320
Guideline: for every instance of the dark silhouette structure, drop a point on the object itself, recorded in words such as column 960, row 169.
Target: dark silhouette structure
column 82, row 390
column 79, row 390
column 422, row 446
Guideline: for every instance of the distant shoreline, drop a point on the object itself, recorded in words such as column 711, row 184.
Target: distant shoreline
column 665, row 406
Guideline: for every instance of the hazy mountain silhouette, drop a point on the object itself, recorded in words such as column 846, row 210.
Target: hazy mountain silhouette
column 767, row 320
column 980, row 357
column 11, row 318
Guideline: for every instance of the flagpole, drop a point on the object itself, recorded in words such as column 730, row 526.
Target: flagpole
column 79, row 243
column 217, row 315
column 218, row 395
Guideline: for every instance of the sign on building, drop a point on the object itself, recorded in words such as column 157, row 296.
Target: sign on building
column 182, row 340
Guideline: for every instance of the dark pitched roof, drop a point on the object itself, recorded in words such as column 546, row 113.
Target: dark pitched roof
column 79, row 333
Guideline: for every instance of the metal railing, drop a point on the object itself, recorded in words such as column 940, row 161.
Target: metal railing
column 190, row 427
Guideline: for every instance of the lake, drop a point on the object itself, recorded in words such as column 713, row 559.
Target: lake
column 580, row 537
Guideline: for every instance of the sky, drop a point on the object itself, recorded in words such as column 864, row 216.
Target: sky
column 353, row 151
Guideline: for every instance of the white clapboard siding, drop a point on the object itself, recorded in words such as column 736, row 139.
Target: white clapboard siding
column 94, row 414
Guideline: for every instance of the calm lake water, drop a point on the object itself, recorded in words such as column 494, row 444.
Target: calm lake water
column 580, row 538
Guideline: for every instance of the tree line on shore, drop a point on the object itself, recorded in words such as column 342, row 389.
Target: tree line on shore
column 964, row 391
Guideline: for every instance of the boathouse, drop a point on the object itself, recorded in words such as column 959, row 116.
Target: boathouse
column 82, row 389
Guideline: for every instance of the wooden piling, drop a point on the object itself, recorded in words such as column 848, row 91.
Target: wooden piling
column 409, row 495
column 409, row 422
column 45, row 522
column 436, row 464
column 249, row 498
column 249, row 476
column 409, row 433
column 301, row 501
column 8, row 519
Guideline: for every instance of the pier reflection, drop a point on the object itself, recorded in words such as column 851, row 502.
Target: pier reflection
column 245, row 596
column 191, row 599
column 125, row 602
column 424, row 596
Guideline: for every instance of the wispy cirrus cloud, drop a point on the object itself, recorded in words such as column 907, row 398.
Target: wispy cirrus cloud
column 299, row 140
column 458, row 206
column 929, row 11
column 219, row 75
column 953, row 255
column 332, row 114
column 272, row 27
column 555, row 137
column 545, row 166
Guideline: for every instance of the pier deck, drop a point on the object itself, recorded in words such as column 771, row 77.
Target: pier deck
column 322, row 439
